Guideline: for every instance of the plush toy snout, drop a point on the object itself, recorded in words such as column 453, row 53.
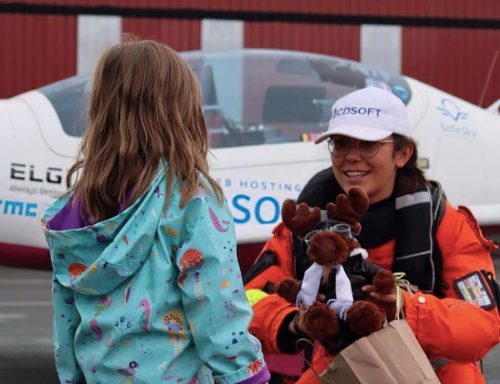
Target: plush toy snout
column 327, row 248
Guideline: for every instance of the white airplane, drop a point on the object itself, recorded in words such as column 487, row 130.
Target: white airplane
column 263, row 109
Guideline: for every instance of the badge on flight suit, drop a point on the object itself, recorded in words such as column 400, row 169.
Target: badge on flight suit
column 473, row 289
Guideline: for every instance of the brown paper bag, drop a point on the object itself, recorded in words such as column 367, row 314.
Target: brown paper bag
column 389, row 356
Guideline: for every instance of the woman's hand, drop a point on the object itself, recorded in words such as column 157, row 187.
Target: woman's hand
column 385, row 298
column 295, row 326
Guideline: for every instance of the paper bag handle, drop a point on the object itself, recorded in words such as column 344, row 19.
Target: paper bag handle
column 309, row 363
column 401, row 284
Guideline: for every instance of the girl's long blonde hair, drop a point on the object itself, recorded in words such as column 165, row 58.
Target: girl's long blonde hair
column 145, row 106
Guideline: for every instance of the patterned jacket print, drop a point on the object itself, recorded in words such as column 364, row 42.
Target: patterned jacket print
column 151, row 296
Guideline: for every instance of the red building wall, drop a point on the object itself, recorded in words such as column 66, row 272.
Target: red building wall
column 457, row 60
column 475, row 9
column 35, row 50
column 181, row 35
column 337, row 40
column 41, row 48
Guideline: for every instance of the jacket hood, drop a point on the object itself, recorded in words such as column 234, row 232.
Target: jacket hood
column 95, row 259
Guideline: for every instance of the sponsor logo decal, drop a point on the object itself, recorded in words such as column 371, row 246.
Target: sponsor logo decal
column 368, row 111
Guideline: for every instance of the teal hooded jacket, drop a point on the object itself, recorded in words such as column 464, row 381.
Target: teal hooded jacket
column 151, row 295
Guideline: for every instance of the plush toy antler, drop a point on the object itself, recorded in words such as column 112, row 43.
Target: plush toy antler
column 299, row 219
column 330, row 249
column 349, row 209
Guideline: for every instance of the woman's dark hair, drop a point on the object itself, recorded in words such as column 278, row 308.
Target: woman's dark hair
column 410, row 178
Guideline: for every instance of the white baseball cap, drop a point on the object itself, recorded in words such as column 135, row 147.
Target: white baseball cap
column 369, row 114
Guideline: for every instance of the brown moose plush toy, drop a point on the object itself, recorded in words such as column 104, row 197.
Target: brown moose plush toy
column 339, row 269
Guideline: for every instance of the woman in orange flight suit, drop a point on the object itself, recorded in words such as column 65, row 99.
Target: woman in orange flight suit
column 410, row 227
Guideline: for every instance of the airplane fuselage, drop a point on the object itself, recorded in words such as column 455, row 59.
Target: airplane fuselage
column 263, row 110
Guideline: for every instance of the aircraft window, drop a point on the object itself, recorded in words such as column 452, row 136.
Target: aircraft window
column 205, row 76
column 342, row 74
column 294, row 65
column 252, row 97
column 292, row 104
column 266, row 97
column 69, row 98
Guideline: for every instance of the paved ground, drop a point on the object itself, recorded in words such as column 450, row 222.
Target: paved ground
column 25, row 329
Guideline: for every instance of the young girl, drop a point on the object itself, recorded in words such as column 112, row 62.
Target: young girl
column 147, row 287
